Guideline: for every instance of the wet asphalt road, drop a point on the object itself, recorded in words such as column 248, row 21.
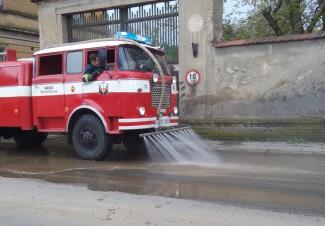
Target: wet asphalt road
column 281, row 182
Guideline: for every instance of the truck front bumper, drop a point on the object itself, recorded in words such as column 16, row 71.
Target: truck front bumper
column 148, row 123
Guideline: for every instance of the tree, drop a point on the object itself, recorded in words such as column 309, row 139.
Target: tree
column 252, row 27
column 281, row 17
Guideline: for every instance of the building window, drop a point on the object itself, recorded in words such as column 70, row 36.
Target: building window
column 3, row 54
column 50, row 65
column 74, row 62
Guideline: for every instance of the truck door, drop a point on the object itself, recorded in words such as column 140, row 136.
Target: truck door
column 9, row 93
column 73, row 85
column 48, row 93
column 103, row 90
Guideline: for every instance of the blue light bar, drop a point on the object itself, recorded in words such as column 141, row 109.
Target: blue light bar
column 134, row 37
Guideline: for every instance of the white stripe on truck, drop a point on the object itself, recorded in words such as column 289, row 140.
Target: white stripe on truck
column 76, row 88
column 15, row 91
column 131, row 120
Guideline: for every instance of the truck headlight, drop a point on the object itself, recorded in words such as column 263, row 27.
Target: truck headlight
column 175, row 110
column 155, row 78
column 174, row 80
column 142, row 111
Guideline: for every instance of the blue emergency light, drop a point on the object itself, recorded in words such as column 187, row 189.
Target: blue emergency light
column 134, row 37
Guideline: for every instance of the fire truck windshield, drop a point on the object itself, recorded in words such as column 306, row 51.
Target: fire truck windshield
column 132, row 58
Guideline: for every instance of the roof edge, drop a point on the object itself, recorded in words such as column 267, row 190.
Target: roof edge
column 270, row 40
column 87, row 44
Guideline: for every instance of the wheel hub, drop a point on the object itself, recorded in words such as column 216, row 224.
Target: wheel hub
column 88, row 138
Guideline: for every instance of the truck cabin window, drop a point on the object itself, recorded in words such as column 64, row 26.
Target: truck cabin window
column 111, row 59
column 50, row 65
column 74, row 62
column 90, row 53
column 132, row 58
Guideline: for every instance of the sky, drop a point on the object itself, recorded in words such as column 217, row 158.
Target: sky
column 229, row 8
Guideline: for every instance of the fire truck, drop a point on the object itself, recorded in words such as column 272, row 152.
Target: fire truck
column 135, row 94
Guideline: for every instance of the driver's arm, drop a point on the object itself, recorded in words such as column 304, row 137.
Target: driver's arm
column 91, row 73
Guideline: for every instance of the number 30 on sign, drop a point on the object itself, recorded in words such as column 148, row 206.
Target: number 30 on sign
column 193, row 77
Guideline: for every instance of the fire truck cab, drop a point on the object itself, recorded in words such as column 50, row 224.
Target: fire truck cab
column 47, row 95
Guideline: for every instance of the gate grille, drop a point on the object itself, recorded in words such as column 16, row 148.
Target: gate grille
column 158, row 20
column 156, row 95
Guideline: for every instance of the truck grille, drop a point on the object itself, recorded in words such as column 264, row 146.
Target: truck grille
column 156, row 94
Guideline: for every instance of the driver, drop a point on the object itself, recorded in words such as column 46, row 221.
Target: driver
column 93, row 69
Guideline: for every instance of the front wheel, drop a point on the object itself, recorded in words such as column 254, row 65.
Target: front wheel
column 90, row 139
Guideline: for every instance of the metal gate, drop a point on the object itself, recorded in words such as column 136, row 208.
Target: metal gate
column 158, row 20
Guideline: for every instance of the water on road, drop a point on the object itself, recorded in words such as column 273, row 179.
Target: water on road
column 281, row 182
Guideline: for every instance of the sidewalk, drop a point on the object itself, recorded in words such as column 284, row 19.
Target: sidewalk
column 33, row 202
column 269, row 147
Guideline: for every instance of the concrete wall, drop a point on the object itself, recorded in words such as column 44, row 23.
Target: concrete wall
column 24, row 44
column 19, row 27
column 20, row 6
column 200, row 22
column 272, row 91
column 278, row 80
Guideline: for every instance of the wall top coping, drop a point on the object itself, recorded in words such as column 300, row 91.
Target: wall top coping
column 270, row 40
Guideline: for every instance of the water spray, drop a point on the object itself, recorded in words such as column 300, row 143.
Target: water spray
column 180, row 145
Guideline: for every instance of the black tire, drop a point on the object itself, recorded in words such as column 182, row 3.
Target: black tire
column 90, row 139
column 29, row 138
column 134, row 143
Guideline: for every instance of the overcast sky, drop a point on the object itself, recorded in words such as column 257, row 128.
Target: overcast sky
column 229, row 8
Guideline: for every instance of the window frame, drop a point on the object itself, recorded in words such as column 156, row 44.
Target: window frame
column 113, row 49
column 35, row 61
column 165, row 69
column 82, row 62
column 49, row 55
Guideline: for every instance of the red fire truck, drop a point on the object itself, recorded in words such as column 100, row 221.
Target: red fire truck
column 46, row 95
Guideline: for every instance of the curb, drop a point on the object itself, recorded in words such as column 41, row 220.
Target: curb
column 255, row 148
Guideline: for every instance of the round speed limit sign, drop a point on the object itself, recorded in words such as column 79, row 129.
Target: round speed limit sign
column 193, row 77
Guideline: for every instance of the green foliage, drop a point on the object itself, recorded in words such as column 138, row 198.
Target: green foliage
column 253, row 27
column 274, row 17
column 171, row 53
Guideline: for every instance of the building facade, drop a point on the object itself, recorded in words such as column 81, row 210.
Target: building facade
column 19, row 27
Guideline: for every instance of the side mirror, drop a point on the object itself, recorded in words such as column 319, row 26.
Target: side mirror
column 102, row 56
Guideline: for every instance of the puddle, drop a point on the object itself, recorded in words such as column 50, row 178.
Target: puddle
column 248, row 179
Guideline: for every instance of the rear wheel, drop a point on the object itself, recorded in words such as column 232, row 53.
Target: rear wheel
column 90, row 139
column 29, row 138
column 134, row 143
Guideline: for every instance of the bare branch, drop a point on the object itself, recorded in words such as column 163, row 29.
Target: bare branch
column 272, row 22
column 319, row 14
column 278, row 6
